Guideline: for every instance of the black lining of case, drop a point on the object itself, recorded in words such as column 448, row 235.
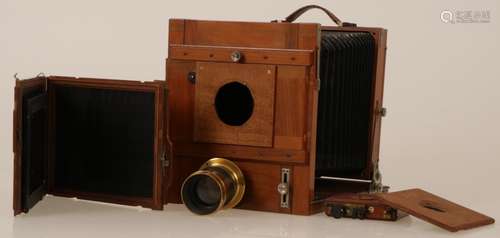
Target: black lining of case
column 34, row 155
column 104, row 141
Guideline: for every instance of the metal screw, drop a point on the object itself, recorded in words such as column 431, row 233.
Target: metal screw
column 236, row 56
column 192, row 77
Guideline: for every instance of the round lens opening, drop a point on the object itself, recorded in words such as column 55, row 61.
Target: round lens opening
column 207, row 191
column 234, row 103
column 201, row 194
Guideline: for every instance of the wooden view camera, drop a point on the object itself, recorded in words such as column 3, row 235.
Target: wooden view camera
column 296, row 106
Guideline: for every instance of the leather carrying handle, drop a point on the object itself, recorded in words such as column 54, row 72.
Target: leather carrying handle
column 292, row 17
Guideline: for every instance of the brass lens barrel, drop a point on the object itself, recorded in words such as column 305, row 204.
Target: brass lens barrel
column 218, row 184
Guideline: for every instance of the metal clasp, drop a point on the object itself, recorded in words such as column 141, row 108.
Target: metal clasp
column 284, row 188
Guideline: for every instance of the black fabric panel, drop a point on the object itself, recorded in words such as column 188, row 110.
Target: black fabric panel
column 104, row 141
column 346, row 68
column 34, row 156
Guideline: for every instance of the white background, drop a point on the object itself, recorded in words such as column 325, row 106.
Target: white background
column 442, row 94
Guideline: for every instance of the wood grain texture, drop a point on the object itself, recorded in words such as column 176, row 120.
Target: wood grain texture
column 249, row 55
column 302, row 191
column 167, row 150
column 180, row 100
column 176, row 31
column 261, row 183
column 241, row 34
column 380, row 36
column 254, row 153
column 290, row 107
column 436, row 210
column 23, row 87
column 260, row 80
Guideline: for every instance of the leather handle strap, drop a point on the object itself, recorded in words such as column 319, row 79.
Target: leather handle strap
column 296, row 14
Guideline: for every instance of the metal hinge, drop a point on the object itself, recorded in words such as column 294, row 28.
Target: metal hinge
column 164, row 160
column 376, row 185
column 383, row 112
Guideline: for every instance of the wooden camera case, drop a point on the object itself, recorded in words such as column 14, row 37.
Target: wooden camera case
column 94, row 148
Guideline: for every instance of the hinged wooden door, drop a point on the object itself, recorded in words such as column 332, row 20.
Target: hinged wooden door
column 93, row 139
column 30, row 143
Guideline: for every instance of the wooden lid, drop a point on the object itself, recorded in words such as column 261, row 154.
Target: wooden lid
column 435, row 210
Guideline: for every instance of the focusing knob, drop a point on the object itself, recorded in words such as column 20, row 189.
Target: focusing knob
column 283, row 188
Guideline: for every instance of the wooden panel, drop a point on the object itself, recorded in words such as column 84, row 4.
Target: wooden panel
column 311, row 127
column 176, row 31
column 261, row 187
column 378, row 93
column 290, row 107
column 180, row 100
column 249, row 55
column 160, row 144
column 131, row 85
column 23, row 87
column 302, row 190
column 167, row 150
column 241, row 152
column 241, row 34
column 258, row 130
column 435, row 210
column 308, row 36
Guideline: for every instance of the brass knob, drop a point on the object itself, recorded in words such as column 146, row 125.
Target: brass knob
column 236, row 56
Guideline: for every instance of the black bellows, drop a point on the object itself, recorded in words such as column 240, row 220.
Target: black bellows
column 346, row 74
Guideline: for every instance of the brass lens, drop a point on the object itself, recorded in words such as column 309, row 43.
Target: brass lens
column 218, row 184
